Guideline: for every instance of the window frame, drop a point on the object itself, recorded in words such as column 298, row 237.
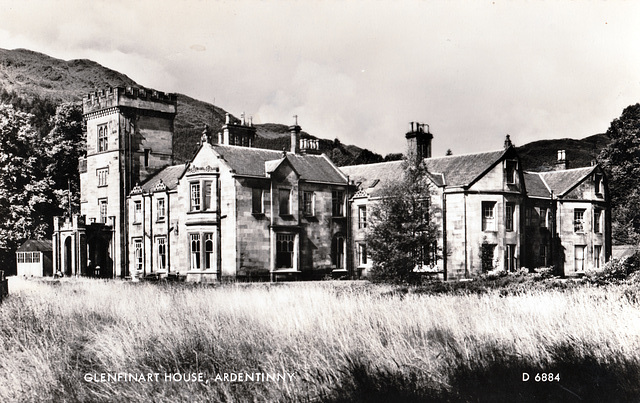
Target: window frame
column 362, row 254
column 103, row 210
column 488, row 222
column 161, row 252
column 195, row 258
column 583, row 249
column 597, row 256
column 137, row 211
column 285, row 245
column 337, row 203
column 579, row 223
column 362, row 216
column 255, row 194
column 102, row 137
column 309, row 203
column 102, row 174
column 285, row 200
column 195, row 196
column 543, row 217
column 511, row 168
column 138, row 255
column 510, row 211
column 597, row 221
column 161, row 202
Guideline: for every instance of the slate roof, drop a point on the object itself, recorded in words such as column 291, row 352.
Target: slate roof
column 247, row 161
column 35, row 245
column 453, row 170
column 535, row 185
column 560, row 182
column 169, row 176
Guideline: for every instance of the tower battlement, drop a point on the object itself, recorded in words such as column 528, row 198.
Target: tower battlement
column 133, row 97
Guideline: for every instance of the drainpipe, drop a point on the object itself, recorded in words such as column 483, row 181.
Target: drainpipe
column 466, row 254
column 271, row 241
column 444, row 235
column 348, row 232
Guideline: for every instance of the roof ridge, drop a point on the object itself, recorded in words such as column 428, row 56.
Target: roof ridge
column 566, row 170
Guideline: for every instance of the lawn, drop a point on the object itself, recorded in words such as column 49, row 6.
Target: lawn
column 94, row 340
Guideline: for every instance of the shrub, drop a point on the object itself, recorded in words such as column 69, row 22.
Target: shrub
column 616, row 270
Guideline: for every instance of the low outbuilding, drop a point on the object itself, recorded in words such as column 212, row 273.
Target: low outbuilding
column 34, row 258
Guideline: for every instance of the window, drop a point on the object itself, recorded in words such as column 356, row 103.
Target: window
column 103, row 210
column 308, row 203
column 426, row 255
column 102, row 176
column 337, row 249
column 362, row 254
column 488, row 216
column 284, row 251
column 510, row 258
column 362, row 216
column 201, row 195
column 28, row 257
column 544, row 256
column 285, row 201
column 195, row 251
column 195, row 196
column 209, row 263
column 578, row 220
column 160, row 209
column 597, row 221
column 137, row 253
column 102, row 138
column 543, row 217
column 137, row 212
column 257, row 201
column 146, row 157
column 161, row 248
column 487, row 251
column 509, row 213
column 207, row 196
column 511, row 172
column 528, row 217
column 337, row 203
column 579, row 258
column 598, row 185
column 597, row 252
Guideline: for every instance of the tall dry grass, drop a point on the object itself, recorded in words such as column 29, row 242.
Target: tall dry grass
column 342, row 342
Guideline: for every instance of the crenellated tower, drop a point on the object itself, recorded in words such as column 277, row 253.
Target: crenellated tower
column 129, row 134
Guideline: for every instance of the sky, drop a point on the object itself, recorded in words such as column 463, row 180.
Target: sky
column 361, row 71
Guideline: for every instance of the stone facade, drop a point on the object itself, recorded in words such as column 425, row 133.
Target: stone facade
column 491, row 214
column 236, row 212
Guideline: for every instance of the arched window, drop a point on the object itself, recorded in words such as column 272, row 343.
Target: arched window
column 208, row 252
column 195, row 251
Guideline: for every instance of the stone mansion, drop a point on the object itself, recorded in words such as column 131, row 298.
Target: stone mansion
column 236, row 212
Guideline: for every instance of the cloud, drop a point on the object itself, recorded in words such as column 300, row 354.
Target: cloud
column 361, row 72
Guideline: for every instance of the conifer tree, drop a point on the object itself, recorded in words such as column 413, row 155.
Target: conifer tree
column 402, row 234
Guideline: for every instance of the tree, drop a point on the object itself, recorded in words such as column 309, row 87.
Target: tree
column 65, row 144
column 24, row 187
column 621, row 161
column 402, row 233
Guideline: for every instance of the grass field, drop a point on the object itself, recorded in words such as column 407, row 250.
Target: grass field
column 328, row 341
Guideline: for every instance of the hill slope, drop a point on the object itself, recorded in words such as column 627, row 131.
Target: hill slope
column 31, row 74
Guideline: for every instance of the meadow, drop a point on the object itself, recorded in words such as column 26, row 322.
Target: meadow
column 330, row 341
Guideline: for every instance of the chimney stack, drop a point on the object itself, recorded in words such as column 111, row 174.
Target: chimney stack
column 295, row 135
column 419, row 140
column 561, row 162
